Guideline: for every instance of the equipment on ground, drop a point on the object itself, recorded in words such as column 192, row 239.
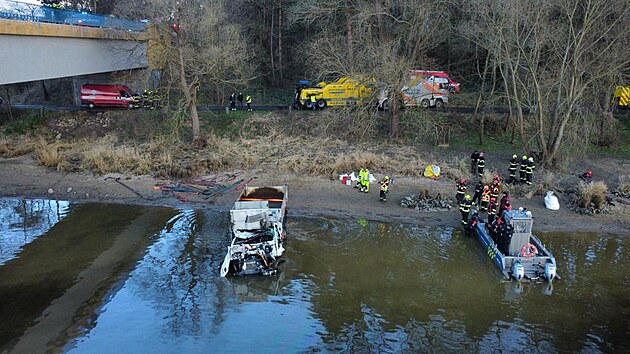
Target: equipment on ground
column 521, row 256
column 258, row 224
column 551, row 201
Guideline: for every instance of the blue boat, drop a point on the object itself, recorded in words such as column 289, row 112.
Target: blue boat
column 526, row 257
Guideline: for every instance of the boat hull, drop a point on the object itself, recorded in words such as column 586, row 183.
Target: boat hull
column 536, row 267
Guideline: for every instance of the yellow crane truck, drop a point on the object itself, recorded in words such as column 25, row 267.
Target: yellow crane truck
column 621, row 97
column 343, row 92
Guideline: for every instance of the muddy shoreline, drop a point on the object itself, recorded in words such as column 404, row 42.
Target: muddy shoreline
column 308, row 196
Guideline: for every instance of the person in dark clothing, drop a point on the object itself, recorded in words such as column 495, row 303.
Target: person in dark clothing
column 586, row 176
column 529, row 170
column 523, row 170
column 505, row 237
column 504, row 200
column 512, row 169
column 469, row 229
column 492, row 210
column 233, row 101
column 481, row 164
column 461, row 190
column 240, row 99
column 478, row 192
column 464, row 208
column 473, row 161
column 485, row 198
column 495, row 188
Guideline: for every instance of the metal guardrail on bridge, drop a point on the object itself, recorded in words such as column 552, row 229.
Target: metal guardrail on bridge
column 21, row 11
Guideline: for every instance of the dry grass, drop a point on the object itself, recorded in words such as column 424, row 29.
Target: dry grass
column 50, row 154
column 548, row 183
column 16, row 147
column 624, row 185
column 591, row 195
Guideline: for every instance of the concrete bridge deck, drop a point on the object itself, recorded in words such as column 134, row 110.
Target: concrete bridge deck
column 32, row 51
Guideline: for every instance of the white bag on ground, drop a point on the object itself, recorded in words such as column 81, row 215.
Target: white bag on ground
column 551, row 201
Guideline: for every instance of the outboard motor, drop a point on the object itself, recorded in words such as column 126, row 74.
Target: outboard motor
column 518, row 271
column 550, row 271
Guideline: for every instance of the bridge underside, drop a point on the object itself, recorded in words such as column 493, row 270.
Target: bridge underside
column 44, row 52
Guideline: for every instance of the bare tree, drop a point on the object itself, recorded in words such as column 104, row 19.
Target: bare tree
column 382, row 41
column 554, row 57
column 199, row 47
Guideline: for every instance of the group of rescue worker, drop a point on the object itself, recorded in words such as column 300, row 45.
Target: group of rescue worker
column 248, row 101
column 150, row 99
column 363, row 183
column 526, row 170
column 486, row 197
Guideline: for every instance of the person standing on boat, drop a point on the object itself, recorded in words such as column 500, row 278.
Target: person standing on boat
column 505, row 201
column 492, row 210
column 464, row 208
column 512, row 169
column 505, row 237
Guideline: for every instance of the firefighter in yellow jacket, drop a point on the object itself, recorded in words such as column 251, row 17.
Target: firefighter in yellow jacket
column 384, row 188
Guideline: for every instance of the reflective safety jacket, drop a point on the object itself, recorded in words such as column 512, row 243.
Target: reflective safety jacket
column 384, row 185
column 461, row 188
column 524, row 164
column 465, row 205
column 513, row 165
column 481, row 162
column 529, row 169
column 248, row 99
column 492, row 209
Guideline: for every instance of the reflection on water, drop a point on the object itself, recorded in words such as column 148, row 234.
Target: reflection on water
column 25, row 220
column 146, row 280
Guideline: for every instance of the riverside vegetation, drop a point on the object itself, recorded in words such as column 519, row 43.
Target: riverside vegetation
column 318, row 144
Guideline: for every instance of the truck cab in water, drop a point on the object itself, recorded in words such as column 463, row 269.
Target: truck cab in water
column 257, row 232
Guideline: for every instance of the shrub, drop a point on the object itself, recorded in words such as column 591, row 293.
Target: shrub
column 591, row 195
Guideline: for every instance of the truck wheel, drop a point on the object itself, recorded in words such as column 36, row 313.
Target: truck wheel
column 425, row 103
column 439, row 104
column 321, row 104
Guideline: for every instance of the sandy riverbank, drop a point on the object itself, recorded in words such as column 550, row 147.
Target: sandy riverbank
column 308, row 196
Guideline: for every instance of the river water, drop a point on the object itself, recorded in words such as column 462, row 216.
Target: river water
column 130, row 279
